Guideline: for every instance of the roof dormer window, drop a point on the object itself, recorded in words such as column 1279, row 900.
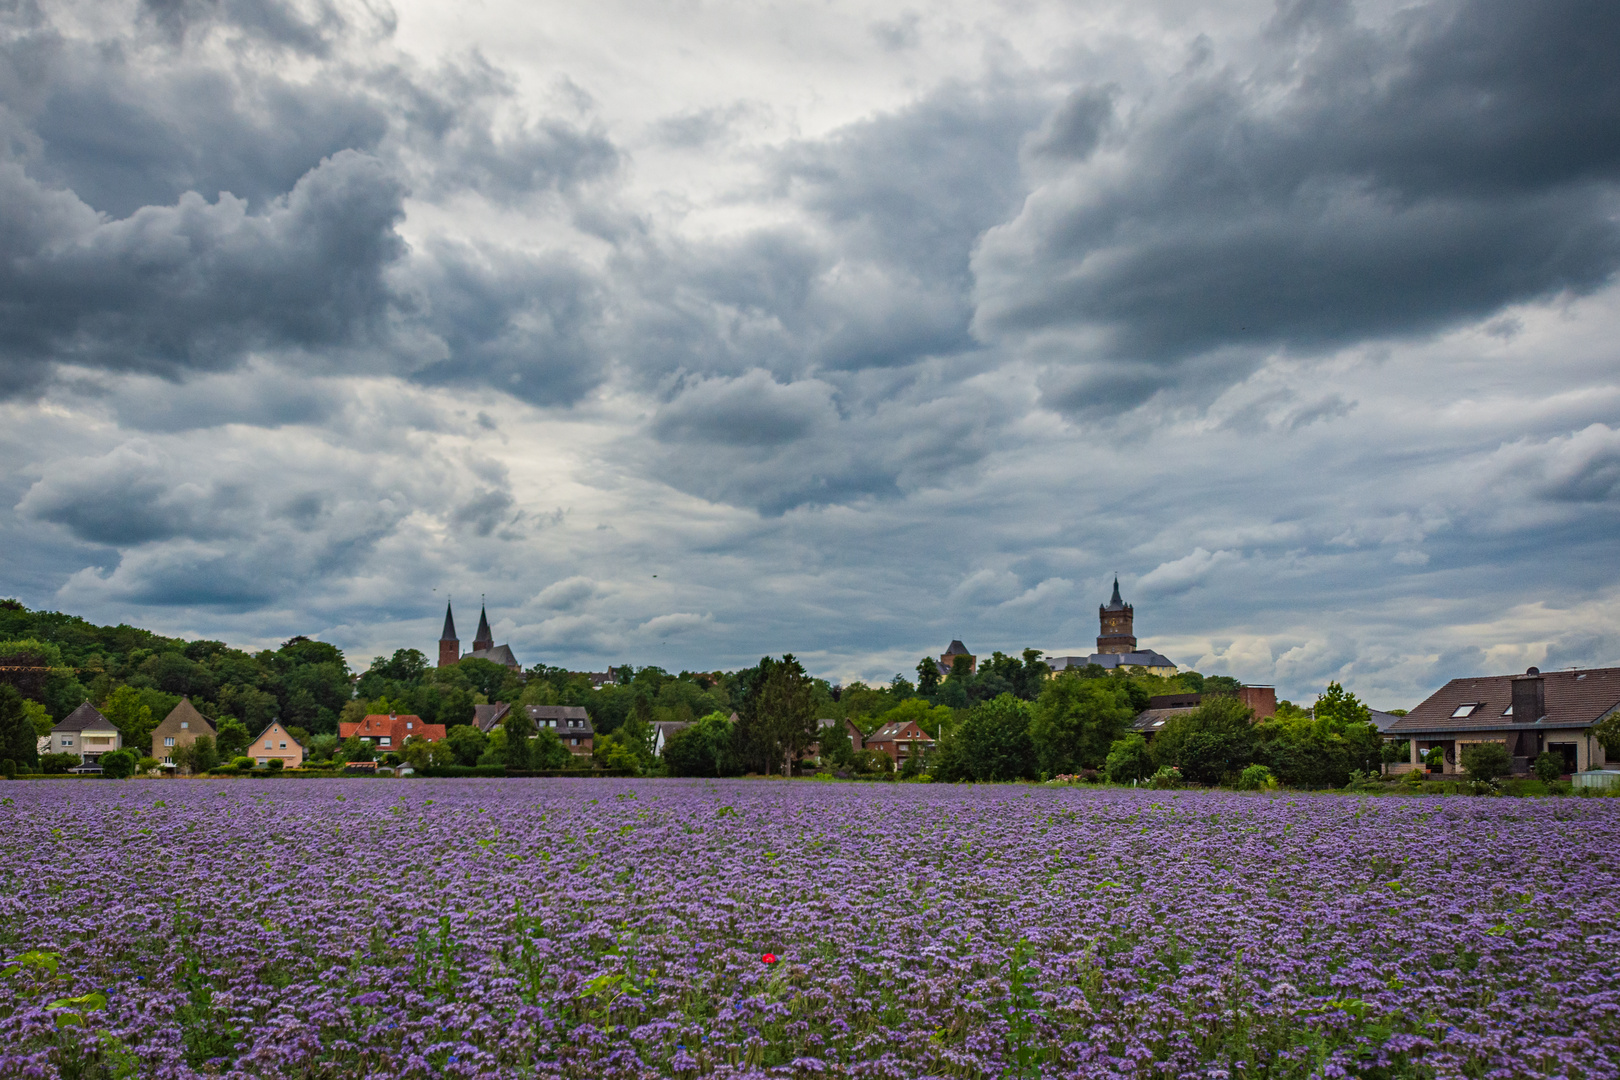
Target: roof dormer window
column 1464, row 710
column 1508, row 711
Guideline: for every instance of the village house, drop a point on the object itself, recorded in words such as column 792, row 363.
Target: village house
column 570, row 723
column 899, row 739
column 1531, row 714
column 1261, row 699
column 486, row 718
column 856, row 736
column 87, row 735
column 273, row 743
column 179, row 729
column 665, row 730
column 389, row 732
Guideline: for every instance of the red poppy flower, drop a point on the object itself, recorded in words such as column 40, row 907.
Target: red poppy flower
column 768, row 958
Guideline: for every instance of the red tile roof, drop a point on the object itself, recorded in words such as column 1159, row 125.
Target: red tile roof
column 395, row 728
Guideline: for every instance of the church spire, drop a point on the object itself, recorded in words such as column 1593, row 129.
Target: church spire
column 485, row 640
column 1115, row 602
column 449, row 644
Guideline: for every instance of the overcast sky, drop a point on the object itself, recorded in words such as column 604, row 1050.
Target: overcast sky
column 694, row 331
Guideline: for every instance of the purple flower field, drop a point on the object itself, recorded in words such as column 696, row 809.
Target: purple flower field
column 607, row 928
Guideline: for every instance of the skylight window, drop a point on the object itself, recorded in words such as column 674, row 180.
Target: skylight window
column 1508, row 711
column 1464, row 710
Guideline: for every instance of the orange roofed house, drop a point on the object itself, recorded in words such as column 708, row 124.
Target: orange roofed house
column 390, row 732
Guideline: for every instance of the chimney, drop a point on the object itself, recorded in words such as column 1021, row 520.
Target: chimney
column 1529, row 697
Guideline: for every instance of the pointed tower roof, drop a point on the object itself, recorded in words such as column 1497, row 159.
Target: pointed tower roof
column 957, row 649
column 1114, row 602
column 483, row 626
column 449, row 626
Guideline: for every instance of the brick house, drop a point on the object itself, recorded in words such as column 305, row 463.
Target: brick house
column 274, row 743
column 180, row 728
column 570, row 723
column 857, row 738
column 87, row 735
column 1531, row 714
column 487, row 718
column 388, row 733
column 899, row 739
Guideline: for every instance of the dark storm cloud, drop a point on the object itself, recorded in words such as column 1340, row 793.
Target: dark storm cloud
column 197, row 285
column 273, row 22
column 519, row 324
column 131, row 497
column 1362, row 183
column 753, row 410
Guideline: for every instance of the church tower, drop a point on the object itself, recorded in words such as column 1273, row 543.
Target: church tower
column 485, row 640
column 1116, row 617
column 449, row 645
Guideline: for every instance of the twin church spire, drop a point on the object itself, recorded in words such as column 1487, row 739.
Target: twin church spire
column 450, row 645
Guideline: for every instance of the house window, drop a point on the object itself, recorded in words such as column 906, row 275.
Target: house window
column 264, row 761
column 284, row 746
column 384, row 741
column 168, row 740
column 574, row 742
column 168, row 761
column 267, row 745
column 184, row 724
column 66, row 741
column 409, row 725
column 1464, row 710
column 1508, row 711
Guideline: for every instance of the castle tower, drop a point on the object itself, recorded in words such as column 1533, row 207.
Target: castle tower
column 485, row 640
column 449, row 644
column 1116, row 617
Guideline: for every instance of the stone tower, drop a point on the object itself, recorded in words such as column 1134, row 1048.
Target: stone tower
column 449, row 644
column 485, row 640
column 1117, row 634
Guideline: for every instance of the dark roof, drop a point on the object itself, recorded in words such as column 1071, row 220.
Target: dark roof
column 890, row 732
column 500, row 654
column 85, row 718
column 449, row 625
column 1381, row 720
column 1115, row 603
column 483, row 626
column 1573, row 699
column 957, row 649
column 485, row 717
column 569, row 713
column 1142, row 658
column 1175, row 701
column 1150, row 720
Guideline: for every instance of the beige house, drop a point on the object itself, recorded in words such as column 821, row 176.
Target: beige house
column 274, row 742
column 87, row 734
column 180, row 728
column 1531, row 714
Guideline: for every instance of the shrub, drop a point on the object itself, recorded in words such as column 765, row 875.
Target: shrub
column 275, row 764
column 1362, row 780
column 1485, row 761
column 147, row 764
column 57, row 764
column 8, row 769
column 1166, row 778
column 1256, row 778
column 118, row 765
column 1413, row 778
column 873, row 761
column 1549, row 767
column 1129, row 759
column 1435, row 758
column 1206, row 744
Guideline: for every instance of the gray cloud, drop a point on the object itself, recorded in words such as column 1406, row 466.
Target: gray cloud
column 1359, row 183
column 197, row 285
